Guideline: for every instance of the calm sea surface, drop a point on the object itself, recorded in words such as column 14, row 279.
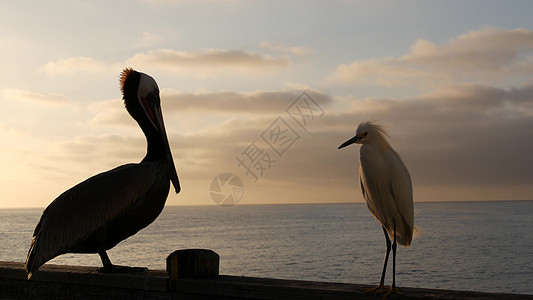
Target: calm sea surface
column 481, row 246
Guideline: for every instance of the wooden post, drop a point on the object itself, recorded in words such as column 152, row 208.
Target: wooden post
column 192, row 263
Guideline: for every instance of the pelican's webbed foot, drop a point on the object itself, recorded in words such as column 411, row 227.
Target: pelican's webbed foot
column 120, row 269
column 108, row 267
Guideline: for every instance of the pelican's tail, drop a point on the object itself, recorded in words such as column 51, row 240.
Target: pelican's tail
column 31, row 264
column 36, row 256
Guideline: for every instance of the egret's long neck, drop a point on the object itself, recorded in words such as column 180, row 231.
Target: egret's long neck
column 380, row 142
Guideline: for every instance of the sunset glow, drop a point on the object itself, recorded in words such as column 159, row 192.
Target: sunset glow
column 450, row 81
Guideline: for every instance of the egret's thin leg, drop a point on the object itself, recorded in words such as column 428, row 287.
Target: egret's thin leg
column 393, row 288
column 394, row 258
column 382, row 281
column 380, row 287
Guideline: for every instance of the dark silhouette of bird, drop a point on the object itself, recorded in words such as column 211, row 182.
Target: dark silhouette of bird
column 387, row 190
column 100, row 212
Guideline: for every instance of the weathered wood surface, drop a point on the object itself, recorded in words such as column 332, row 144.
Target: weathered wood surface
column 234, row 287
column 73, row 282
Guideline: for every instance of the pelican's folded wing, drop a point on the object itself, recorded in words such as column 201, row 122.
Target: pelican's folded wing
column 84, row 208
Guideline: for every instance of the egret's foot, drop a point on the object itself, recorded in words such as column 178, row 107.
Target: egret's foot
column 121, row 269
column 392, row 290
column 377, row 290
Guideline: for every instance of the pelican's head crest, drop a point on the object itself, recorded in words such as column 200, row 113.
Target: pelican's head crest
column 125, row 77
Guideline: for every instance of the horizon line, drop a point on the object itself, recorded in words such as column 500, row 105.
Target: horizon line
column 302, row 203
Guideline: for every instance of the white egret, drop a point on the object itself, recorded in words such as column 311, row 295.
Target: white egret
column 386, row 187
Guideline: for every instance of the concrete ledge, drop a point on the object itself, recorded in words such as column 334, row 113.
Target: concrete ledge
column 73, row 282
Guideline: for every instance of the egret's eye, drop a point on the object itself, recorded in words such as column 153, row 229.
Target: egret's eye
column 363, row 135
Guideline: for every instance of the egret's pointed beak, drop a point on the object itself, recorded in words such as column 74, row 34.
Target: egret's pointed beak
column 158, row 116
column 349, row 142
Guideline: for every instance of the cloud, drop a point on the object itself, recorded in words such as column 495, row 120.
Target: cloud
column 464, row 135
column 110, row 112
column 469, row 142
column 204, row 63
column 206, row 60
column 182, row 2
column 85, row 155
column 36, row 98
column 257, row 102
column 280, row 47
column 475, row 57
column 148, row 39
column 469, row 131
column 200, row 104
column 73, row 65
column 456, row 140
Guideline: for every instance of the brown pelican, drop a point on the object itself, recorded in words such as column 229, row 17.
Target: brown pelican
column 98, row 213
column 387, row 189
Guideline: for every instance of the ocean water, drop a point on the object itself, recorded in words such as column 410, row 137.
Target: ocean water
column 479, row 246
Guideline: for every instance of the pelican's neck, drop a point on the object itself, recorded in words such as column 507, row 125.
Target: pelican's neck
column 156, row 149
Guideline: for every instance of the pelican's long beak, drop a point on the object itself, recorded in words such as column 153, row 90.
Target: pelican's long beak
column 349, row 142
column 161, row 126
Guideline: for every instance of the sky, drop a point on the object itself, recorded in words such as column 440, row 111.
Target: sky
column 267, row 91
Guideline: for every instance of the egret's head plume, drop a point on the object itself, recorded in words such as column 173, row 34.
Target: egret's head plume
column 369, row 131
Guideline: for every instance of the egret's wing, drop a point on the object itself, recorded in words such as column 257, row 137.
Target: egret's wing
column 84, row 208
column 386, row 186
column 374, row 183
column 402, row 191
